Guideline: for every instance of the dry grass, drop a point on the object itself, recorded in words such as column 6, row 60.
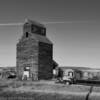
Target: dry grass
column 45, row 86
column 41, row 96
column 44, row 90
column 95, row 95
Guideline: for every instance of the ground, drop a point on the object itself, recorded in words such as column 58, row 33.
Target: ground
column 47, row 90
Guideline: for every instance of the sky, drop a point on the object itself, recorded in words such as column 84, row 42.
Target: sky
column 72, row 25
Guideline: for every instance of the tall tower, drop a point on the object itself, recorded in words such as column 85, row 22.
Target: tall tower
column 34, row 52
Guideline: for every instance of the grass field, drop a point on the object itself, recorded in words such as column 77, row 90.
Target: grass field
column 46, row 90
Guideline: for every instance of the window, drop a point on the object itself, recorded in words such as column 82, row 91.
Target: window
column 70, row 74
column 27, row 34
column 26, row 68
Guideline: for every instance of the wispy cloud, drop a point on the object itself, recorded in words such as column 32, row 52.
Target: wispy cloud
column 68, row 22
column 11, row 24
column 46, row 23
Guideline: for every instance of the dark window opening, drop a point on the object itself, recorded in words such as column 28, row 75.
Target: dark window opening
column 70, row 74
column 27, row 34
column 26, row 68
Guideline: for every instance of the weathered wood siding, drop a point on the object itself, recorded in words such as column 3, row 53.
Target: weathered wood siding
column 34, row 50
column 45, row 61
column 27, row 55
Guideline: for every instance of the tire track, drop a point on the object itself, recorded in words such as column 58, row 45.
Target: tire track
column 90, row 91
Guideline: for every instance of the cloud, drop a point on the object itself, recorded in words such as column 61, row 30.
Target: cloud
column 46, row 23
column 68, row 22
column 11, row 24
